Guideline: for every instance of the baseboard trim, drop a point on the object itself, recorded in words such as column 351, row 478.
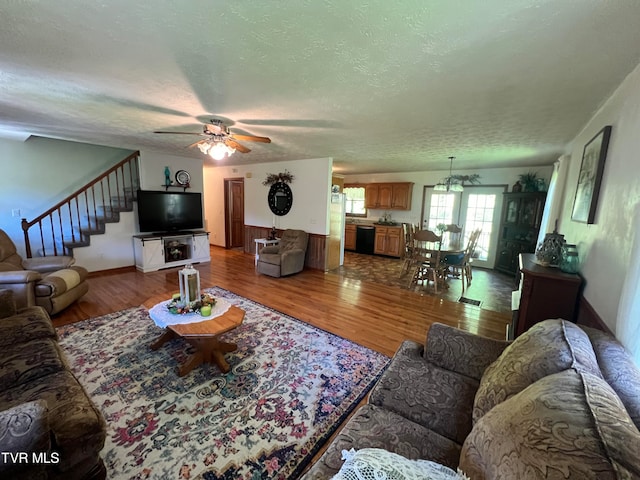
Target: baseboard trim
column 111, row 271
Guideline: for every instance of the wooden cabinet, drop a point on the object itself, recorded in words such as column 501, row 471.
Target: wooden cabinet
column 545, row 292
column 388, row 196
column 388, row 241
column 372, row 195
column 350, row 237
column 401, row 196
column 521, row 217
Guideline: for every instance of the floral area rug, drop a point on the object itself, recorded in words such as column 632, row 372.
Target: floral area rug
column 289, row 388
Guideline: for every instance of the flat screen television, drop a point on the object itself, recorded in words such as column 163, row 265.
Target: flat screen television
column 160, row 211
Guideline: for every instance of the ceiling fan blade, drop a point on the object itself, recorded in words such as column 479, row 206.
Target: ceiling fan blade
column 233, row 144
column 250, row 138
column 181, row 133
column 197, row 143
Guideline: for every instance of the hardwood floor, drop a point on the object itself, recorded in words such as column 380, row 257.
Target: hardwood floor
column 372, row 314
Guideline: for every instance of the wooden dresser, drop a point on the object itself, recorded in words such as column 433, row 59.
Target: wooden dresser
column 546, row 292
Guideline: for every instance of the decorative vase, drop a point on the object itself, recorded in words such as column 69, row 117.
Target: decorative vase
column 569, row 263
column 549, row 252
column 517, row 187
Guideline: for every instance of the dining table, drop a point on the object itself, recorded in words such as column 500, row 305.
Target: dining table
column 445, row 248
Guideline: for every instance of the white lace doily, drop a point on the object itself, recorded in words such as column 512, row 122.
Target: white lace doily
column 379, row 464
column 162, row 317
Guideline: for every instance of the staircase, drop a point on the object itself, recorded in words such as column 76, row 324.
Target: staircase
column 71, row 222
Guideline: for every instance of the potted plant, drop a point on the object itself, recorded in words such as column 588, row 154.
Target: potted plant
column 529, row 181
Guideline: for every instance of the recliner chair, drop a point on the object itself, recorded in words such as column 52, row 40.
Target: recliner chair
column 51, row 282
column 285, row 258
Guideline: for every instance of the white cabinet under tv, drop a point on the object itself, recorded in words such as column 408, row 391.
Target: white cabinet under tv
column 157, row 251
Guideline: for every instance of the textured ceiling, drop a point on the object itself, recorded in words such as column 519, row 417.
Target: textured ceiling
column 379, row 86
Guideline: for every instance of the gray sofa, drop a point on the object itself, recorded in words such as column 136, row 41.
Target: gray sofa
column 285, row 258
column 46, row 416
column 559, row 402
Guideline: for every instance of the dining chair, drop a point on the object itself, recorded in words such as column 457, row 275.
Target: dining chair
column 459, row 264
column 425, row 258
column 407, row 229
column 454, row 232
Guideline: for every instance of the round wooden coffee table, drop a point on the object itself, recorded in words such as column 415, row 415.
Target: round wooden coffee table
column 203, row 335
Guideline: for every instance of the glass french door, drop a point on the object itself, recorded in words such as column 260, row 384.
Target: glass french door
column 475, row 207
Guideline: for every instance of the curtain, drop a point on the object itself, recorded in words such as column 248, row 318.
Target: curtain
column 554, row 197
column 628, row 321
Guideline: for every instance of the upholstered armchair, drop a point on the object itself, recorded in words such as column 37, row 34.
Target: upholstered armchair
column 285, row 258
column 52, row 282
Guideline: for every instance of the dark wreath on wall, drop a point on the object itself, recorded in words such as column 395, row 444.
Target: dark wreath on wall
column 590, row 178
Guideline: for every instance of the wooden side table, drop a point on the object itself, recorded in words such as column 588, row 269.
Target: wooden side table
column 547, row 292
column 264, row 242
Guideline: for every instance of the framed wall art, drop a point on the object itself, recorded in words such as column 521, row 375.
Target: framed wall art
column 591, row 169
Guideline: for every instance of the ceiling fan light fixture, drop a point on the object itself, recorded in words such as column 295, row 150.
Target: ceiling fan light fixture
column 204, row 147
column 219, row 150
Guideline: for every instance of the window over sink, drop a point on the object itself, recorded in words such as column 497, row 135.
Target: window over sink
column 354, row 201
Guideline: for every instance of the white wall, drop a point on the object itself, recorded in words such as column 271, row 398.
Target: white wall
column 606, row 247
column 489, row 176
column 40, row 172
column 114, row 249
column 310, row 189
column 152, row 166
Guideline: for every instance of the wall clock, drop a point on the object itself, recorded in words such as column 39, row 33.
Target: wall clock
column 183, row 178
column 280, row 198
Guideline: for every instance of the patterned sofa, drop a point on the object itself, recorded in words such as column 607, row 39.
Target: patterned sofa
column 49, row 427
column 559, row 402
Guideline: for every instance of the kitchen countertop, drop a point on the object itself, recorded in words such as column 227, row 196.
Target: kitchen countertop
column 372, row 223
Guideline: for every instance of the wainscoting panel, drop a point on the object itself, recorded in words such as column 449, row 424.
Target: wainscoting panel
column 316, row 250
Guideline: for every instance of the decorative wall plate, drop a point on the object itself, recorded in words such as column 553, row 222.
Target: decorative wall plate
column 280, row 198
column 183, row 178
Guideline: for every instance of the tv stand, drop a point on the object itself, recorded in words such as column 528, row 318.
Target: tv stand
column 156, row 251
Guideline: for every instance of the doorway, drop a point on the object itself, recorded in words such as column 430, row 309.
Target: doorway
column 234, row 212
column 478, row 206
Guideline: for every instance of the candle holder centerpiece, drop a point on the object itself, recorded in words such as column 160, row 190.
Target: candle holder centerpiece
column 190, row 299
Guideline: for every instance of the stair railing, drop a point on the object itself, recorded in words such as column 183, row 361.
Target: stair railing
column 85, row 210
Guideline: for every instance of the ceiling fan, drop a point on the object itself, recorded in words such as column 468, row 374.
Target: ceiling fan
column 219, row 141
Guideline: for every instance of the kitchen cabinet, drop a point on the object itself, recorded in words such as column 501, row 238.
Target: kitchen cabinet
column 401, row 196
column 350, row 237
column 372, row 195
column 388, row 241
column 521, row 217
column 545, row 292
column 388, row 196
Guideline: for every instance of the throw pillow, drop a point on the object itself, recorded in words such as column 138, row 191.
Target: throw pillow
column 546, row 348
column 570, row 426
